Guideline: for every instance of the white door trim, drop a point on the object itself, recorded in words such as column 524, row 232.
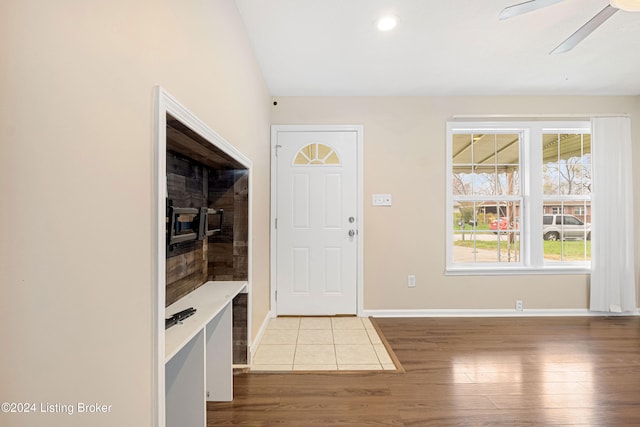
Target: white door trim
column 359, row 130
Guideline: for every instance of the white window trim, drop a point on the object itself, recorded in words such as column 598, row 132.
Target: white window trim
column 531, row 257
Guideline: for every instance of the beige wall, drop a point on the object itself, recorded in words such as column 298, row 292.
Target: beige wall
column 76, row 182
column 404, row 154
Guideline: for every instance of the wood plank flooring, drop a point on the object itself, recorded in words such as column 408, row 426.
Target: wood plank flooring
column 569, row 371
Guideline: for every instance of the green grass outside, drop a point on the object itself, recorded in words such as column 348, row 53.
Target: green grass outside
column 480, row 226
column 573, row 249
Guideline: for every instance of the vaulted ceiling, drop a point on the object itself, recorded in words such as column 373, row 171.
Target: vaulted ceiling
column 446, row 47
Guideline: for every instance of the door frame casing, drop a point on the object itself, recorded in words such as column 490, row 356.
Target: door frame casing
column 359, row 130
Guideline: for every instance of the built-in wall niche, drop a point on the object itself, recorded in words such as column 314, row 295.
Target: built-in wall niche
column 207, row 222
column 202, row 191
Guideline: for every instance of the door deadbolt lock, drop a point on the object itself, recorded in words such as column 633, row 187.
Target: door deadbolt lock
column 351, row 219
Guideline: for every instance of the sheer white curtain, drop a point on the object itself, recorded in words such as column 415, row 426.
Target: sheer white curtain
column 612, row 260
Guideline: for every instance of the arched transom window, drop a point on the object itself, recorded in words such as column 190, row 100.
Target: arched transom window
column 316, row 154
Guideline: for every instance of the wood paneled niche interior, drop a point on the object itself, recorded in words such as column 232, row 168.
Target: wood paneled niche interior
column 199, row 174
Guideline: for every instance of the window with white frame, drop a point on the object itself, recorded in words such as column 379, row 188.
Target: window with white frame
column 566, row 184
column 518, row 196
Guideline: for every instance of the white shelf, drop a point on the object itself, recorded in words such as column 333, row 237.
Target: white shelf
column 208, row 300
column 199, row 354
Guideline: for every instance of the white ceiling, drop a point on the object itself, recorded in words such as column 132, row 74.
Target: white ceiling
column 440, row 47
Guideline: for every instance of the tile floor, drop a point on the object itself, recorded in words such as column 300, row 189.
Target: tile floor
column 321, row 343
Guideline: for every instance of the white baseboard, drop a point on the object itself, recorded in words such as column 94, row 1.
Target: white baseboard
column 491, row 313
column 263, row 327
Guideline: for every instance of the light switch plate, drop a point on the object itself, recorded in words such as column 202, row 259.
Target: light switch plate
column 381, row 199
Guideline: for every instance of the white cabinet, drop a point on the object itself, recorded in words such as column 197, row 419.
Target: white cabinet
column 184, row 385
column 198, row 354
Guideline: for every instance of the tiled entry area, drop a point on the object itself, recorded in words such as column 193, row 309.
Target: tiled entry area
column 321, row 343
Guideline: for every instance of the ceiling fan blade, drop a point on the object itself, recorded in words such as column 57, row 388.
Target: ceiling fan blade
column 585, row 30
column 528, row 6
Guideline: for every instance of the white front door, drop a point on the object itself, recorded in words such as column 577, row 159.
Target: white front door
column 316, row 222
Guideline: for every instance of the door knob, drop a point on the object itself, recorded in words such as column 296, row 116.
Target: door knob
column 352, row 233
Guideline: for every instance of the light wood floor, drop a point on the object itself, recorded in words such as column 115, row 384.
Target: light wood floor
column 464, row 372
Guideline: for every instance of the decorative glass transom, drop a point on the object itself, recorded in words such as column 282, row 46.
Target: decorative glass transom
column 316, row 154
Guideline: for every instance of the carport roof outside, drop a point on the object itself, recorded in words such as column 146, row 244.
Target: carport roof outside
column 490, row 151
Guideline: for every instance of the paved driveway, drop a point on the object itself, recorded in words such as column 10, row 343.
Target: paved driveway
column 465, row 254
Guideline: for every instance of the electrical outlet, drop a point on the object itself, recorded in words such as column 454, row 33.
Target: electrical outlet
column 519, row 306
column 411, row 281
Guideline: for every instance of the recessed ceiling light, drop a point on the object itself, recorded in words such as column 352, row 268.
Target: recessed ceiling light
column 628, row 5
column 387, row 22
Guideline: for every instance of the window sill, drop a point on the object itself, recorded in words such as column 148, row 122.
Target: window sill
column 517, row 270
